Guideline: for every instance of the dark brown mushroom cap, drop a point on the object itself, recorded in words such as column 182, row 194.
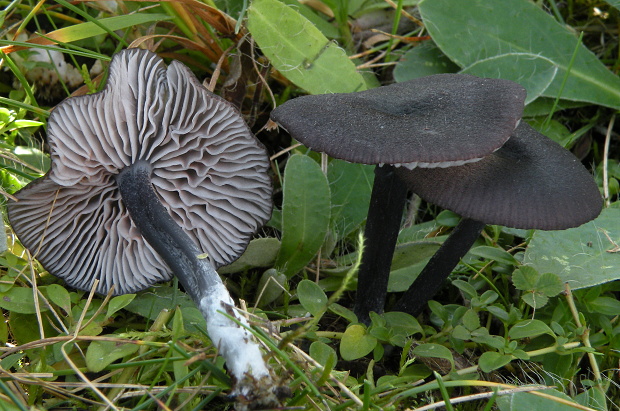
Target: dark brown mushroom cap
column 435, row 119
column 208, row 170
column 531, row 182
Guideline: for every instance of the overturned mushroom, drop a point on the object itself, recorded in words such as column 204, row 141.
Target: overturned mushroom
column 530, row 183
column 435, row 121
column 147, row 175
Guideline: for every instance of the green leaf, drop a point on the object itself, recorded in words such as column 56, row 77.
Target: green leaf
column 535, row 73
column 119, row 302
column 19, row 300
column 356, row 343
column 529, row 329
column 270, row 286
column 423, row 60
column 100, row 354
column 461, row 333
column 490, row 29
column 408, row 261
column 583, row 256
column 350, row 185
column 312, row 297
column 33, row 157
column 471, row 321
column 604, row 305
column 535, row 300
column 520, row 401
column 491, row 360
column 549, row 284
column 322, row 353
column 494, row 253
column 525, row 278
column 59, row 296
column 299, row 51
column 434, row 351
column 87, row 30
column 261, row 252
column 163, row 297
column 466, row 287
column 343, row 312
column 305, row 214
column 403, row 323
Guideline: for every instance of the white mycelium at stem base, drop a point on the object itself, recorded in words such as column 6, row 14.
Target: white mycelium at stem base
column 235, row 343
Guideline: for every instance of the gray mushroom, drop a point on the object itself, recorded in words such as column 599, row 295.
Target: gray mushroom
column 436, row 121
column 146, row 175
column 530, row 183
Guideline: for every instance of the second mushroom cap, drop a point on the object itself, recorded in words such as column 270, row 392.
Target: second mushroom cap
column 435, row 120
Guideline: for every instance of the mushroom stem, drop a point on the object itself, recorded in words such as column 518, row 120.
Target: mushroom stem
column 200, row 280
column 387, row 202
column 440, row 266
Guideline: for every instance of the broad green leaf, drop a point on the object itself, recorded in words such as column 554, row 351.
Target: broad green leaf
column 535, row 73
column 525, row 278
column 614, row 3
column 322, row 353
column 33, row 157
column 261, row 252
column 534, row 299
column 423, row 60
column 466, row 287
column 100, row 354
column 343, row 312
column 299, row 51
column 528, row 329
column 470, row 31
column 549, row 284
column 520, row 401
column 356, row 343
column 328, row 29
column 59, row 296
column 305, row 214
column 471, row 321
column 270, row 286
column 408, row 261
column 119, row 302
column 350, row 185
column 312, row 297
column 403, row 323
column 20, row 300
column 492, row 360
column 434, row 351
column 604, row 305
column 583, row 256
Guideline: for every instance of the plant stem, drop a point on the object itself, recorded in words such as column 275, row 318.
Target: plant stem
column 200, row 280
column 585, row 338
column 440, row 266
column 387, row 202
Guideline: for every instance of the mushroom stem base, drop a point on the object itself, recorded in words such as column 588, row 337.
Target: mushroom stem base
column 440, row 266
column 200, row 280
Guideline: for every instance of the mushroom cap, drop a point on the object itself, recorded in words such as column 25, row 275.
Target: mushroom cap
column 531, row 183
column 208, row 170
column 444, row 118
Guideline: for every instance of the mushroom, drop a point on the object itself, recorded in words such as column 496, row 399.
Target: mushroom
column 530, row 183
column 146, row 176
column 436, row 121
